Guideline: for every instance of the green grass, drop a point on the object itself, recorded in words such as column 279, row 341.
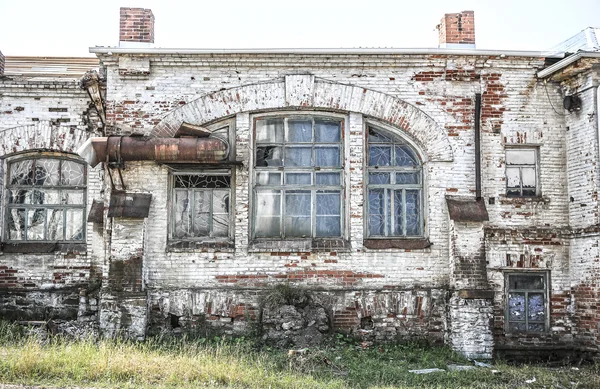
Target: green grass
column 218, row 363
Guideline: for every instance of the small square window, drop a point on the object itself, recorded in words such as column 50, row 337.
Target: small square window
column 522, row 172
column 201, row 206
column 526, row 302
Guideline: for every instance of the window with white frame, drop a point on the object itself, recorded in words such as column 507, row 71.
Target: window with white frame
column 201, row 205
column 394, row 187
column 46, row 199
column 522, row 172
column 526, row 302
column 298, row 177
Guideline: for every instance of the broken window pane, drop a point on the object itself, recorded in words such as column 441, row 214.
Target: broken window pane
column 16, row 223
column 36, row 219
column 21, row 172
column 74, row 224
column 269, row 156
column 54, row 226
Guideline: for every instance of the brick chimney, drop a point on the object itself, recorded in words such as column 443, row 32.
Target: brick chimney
column 2, row 62
column 136, row 27
column 457, row 31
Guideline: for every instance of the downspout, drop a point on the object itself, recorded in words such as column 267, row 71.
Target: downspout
column 477, row 146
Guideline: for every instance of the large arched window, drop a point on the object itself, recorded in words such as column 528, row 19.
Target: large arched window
column 298, row 177
column 394, row 187
column 45, row 200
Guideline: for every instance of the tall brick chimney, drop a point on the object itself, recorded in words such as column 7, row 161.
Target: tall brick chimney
column 457, row 31
column 2, row 62
column 136, row 27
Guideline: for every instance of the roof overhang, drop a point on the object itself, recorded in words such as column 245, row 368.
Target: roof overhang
column 550, row 70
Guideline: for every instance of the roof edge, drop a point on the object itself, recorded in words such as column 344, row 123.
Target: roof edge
column 325, row 51
column 566, row 62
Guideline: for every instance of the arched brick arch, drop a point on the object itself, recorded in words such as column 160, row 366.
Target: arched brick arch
column 304, row 91
column 41, row 136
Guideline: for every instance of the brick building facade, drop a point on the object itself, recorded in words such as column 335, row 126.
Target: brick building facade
column 448, row 193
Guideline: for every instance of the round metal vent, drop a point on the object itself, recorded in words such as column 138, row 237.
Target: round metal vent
column 572, row 103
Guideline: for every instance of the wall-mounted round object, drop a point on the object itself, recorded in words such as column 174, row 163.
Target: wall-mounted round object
column 572, row 103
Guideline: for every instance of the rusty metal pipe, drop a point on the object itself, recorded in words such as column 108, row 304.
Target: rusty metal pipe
column 125, row 148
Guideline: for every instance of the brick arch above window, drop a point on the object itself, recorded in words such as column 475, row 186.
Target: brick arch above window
column 41, row 136
column 308, row 92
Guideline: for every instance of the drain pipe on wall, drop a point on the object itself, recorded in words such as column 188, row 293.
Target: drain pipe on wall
column 477, row 146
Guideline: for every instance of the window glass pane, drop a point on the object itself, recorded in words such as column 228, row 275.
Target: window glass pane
column 268, row 178
column 269, row 156
column 327, row 156
column 36, row 219
column 405, row 156
column 269, row 130
column 74, row 224
column 268, row 203
column 327, row 131
column 16, row 224
column 513, row 177
column 72, row 197
column 407, row 178
column 201, row 224
column 72, row 173
column 46, row 196
column 398, row 215
column 54, row 224
column 202, row 201
column 21, row 172
column 328, row 203
column 19, row 196
column 267, row 226
column 297, row 203
column 526, row 282
column 512, row 192
column 520, row 157
column 528, row 176
column 517, row 327
column 516, row 306
column 328, row 179
column 413, row 212
column 378, row 137
column 298, row 178
column 47, row 172
column 376, row 212
column 299, row 130
column 379, row 178
column 183, row 221
column 298, row 156
column 537, row 311
column 202, row 181
column 380, row 155
column 220, row 225
column 328, row 226
column 220, row 202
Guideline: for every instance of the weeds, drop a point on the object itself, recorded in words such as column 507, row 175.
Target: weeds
column 235, row 362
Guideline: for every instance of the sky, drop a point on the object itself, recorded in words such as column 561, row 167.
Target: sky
column 69, row 28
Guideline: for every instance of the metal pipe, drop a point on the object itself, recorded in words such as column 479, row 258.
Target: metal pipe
column 477, row 146
column 125, row 148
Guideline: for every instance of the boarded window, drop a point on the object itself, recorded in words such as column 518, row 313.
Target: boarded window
column 298, row 177
column 526, row 308
column 521, row 172
column 394, row 187
column 201, row 205
column 46, row 200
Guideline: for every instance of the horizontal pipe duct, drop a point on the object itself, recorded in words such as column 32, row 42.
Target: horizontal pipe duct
column 126, row 148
